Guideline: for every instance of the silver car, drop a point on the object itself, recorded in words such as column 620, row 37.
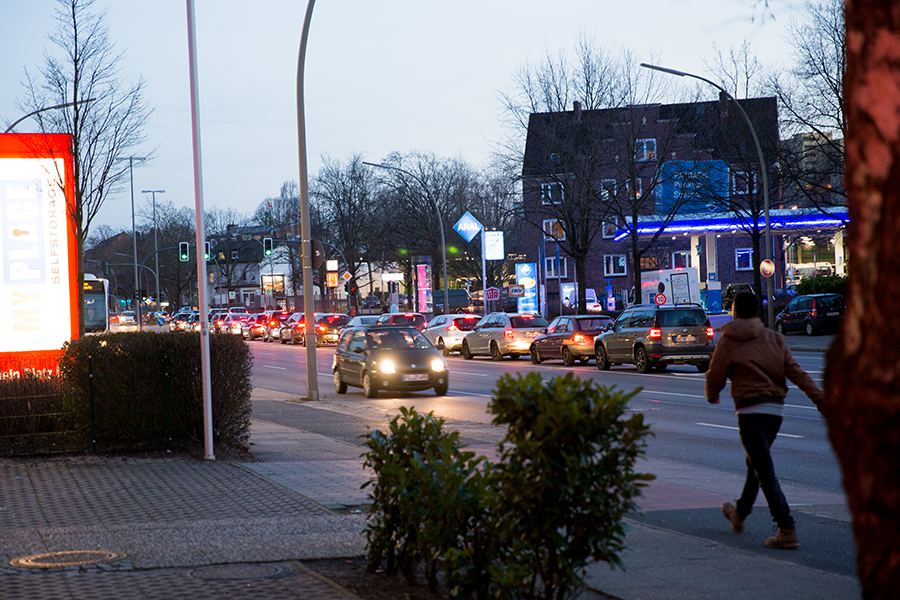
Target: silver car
column 503, row 334
column 446, row 332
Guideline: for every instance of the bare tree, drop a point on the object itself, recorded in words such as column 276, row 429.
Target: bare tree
column 738, row 71
column 104, row 129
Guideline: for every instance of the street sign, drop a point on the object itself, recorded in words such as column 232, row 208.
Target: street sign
column 610, row 303
column 392, row 277
column 660, row 299
column 468, row 227
column 516, row 291
column 491, row 294
column 493, row 246
column 346, row 276
column 331, row 265
column 331, row 279
column 767, row 268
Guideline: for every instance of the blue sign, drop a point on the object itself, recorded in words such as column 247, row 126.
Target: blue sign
column 468, row 227
column 696, row 186
column 526, row 276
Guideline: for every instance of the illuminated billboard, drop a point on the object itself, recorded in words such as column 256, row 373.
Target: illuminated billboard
column 38, row 253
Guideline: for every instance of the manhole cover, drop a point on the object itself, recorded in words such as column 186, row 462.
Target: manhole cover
column 243, row 571
column 66, row 558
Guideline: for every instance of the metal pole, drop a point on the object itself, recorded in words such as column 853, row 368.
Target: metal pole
column 45, row 108
column 200, row 238
column 309, row 304
column 483, row 274
column 767, row 251
column 137, row 295
column 155, row 240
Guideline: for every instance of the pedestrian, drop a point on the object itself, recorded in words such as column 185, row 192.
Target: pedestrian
column 757, row 361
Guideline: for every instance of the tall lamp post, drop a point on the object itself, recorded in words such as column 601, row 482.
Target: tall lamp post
column 440, row 225
column 46, row 108
column 155, row 239
column 767, row 251
column 137, row 298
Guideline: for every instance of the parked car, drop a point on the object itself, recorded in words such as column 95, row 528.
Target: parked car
column 255, row 327
column 503, row 334
column 458, row 298
column 388, row 358
column 653, row 337
column 409, row 319
column 811, row 314
column 328, row 328
column 570, row 338
column 446, row 332
column 290, row 328
column 361, row 320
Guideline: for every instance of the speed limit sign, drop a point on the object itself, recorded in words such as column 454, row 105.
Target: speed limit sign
column 660, row 299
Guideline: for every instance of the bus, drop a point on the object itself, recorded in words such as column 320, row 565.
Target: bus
column 95, row 304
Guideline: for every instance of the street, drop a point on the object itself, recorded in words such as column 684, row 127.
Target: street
column 695, row 452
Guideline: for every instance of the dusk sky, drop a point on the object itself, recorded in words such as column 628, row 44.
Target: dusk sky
column 397, row 75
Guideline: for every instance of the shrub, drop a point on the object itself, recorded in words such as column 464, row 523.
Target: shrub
column 825, row 284
column 147, row 391
column 32, row 416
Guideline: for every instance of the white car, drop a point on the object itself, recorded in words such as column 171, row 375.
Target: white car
column 502, row 334
column 124, row 321
column 446, row 332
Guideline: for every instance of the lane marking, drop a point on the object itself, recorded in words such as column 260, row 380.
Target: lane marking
column 469, row 373
column 274, row 367
column 789, row 435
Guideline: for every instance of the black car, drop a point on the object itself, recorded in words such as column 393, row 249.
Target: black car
column 388, row 358
column 811, row 314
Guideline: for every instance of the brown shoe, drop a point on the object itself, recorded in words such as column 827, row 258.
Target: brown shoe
column 785, row 539
column 731, row 513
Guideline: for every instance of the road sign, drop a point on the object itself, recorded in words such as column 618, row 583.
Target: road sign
column 493, row 245
column 491, row 294
column 331, row 279
column 468, row 227
column 660, row 299
column 767, row 268
column 516, row 291
column 346, row 276
column 331, row 265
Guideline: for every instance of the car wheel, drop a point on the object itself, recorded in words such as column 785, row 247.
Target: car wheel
column 514, row 356
column 466, row 353
column 535, row 355
column 603, row 363
column 460, row 311
column 495, row 352
column 703, row 367
column 810, row 330
column 442, row 347
column 283, row 341
column 641, row 360
column 369, row 388
column 303, row 341
column 441, row 388
column 339, row 386
column 779, row 327
column 567, row 357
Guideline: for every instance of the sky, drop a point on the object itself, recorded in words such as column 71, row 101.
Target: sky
column 394, row 75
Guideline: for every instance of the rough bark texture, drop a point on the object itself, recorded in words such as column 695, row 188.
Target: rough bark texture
column 863, row 375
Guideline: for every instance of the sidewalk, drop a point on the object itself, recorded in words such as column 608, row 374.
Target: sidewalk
column 237, row 529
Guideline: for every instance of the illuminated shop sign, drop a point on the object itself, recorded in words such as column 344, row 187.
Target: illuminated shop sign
column 776, row 222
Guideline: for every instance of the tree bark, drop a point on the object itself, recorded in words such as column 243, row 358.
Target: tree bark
column 580, row 280
column 862, row 404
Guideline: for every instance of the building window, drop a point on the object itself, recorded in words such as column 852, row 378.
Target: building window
column 681, row 259
column 743, row 259
column 645, row 149
column 553, row 230
column 637, row 189
column 607, row 189
column 741, row 181
column 649, row 263
column 553, row 270
column 614, row 265
column 552, row 193
column 609, row 229
column 235, row 254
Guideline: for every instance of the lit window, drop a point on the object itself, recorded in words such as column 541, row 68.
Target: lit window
column 552, row 193
column 553, row 230
column 609, row 229
column 645, row 149
column 554, row 270
column 681, row 259
column 649, row 263
column 743, row 259
column 614, row 265
column 607, row 189
column 636, row 190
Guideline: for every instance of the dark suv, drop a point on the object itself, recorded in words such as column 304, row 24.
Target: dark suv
column 811, row 314
column 653, row 337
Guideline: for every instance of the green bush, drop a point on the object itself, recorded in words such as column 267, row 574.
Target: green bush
column 526, row 526
column 825, row 284
column 147, row 392
column 32, row 416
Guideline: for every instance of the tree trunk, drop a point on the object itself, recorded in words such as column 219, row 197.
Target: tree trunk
column 861, row 405
column 636, row 265
column 756, row 242
column 579, row 283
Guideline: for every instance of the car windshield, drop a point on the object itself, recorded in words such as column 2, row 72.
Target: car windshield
column 465, row 323
column 682, row 317
column 525, row 322
column 397, row 339
column 593, row 324
column 829, row 302
column 406, row 319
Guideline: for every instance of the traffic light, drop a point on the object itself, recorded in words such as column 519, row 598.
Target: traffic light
column 267, row 246
column 184, row 251
column 206, row 253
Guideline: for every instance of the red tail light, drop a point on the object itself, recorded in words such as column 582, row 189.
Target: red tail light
column 273, row 323
column 508, row 334
column 655, row 333
column 452, row 327
column 710, row 333
column 812, row 313
column 322, row 328
column 578, row 338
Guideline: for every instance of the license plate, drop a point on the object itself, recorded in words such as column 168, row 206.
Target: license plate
column 685, row 338
column 531, row 334
column 832, row 314
column 415, row 377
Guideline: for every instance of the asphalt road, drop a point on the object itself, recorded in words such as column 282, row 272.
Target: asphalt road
column 695, row 444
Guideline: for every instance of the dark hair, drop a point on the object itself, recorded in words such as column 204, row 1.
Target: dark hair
column 745, row 305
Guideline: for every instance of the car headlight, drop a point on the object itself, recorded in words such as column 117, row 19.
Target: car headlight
column 437, row 365
column 387, row 366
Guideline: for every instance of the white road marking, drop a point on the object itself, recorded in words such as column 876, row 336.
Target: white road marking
column 274, row 367
column 790, row 435
column 673, row 394
column 470, row 373
column 458, row 393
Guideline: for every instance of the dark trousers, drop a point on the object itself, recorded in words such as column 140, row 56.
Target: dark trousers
column 758, row 432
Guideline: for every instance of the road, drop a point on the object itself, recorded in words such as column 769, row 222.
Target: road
column 695, row 452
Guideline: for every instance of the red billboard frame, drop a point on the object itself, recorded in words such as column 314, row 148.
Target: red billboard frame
column 47, row 146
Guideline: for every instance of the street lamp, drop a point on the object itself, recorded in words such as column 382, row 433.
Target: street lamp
column 155, row 240
column 45, row 108
column 767, row 252
column 131, row 160
column 440, row 225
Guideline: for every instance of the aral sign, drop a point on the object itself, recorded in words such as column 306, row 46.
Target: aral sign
column 38, row 256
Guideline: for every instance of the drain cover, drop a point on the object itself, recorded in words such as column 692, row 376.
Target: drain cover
column 241, row 571
column 66, row 558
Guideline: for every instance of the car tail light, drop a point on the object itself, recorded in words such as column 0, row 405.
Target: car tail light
column 655, row 333
column 322, row 328
column 578, row 338
column 710, row 332
column 273, row 323
column 114, row 319
column 812, row 313
column 452, row 327
column 508, row 334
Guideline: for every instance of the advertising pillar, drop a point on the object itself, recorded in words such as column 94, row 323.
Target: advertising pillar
column 526, row 276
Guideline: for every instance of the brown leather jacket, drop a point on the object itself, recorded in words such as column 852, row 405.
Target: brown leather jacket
column 757, row 360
